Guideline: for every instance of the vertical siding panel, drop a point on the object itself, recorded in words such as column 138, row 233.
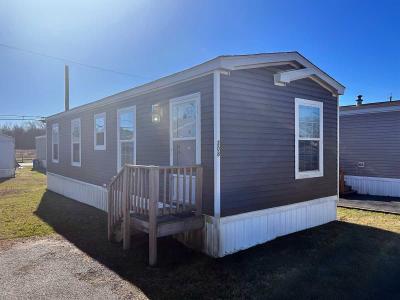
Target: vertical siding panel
column 257, row 135
column 152, row 140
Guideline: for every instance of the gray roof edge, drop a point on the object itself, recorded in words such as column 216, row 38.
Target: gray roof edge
column 223, row 62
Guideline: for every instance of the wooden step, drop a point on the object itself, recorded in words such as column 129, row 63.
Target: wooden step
column 168, row 225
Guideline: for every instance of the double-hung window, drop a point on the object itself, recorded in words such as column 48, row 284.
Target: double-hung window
column 309, row 140
column 126, row 136
column 100, row 131
column 185, row 129
column 55, row 140
column 76, row 142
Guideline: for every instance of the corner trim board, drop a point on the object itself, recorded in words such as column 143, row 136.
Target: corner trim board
column 217, row 143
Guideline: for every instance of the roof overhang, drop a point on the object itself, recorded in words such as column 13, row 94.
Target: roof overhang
column 302, row 68
column 368, row 110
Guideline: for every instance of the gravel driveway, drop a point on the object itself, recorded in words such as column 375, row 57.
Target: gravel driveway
column 53, row 268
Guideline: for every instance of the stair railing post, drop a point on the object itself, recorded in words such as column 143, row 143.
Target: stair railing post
column 109, row 212
column 153, row 211
column 126, row 210
column 199, row 190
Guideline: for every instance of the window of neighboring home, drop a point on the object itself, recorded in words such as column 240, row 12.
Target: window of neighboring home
column 76, row 142
column 55, row 140
column 126, row 136
column 100, row 131
column 309, row 140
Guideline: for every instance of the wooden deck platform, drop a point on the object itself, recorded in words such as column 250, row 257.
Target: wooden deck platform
column 159, row 201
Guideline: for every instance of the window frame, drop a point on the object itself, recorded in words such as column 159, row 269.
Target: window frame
column 76, row 164
column 196, row 98
column 314, row 173
column 55, row 125
column 96, row 146
column 119, row 111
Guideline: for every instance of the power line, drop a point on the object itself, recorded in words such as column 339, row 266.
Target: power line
column 20, row 116
column 70, row 61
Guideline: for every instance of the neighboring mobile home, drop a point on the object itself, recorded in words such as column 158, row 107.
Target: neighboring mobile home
column 370, row 147
column 41, row 150
column 263, row 128
column 7, row 156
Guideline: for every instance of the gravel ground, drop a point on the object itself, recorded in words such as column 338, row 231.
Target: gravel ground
column 53, row 268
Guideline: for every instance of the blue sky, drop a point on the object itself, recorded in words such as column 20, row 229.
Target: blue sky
column 356, row 42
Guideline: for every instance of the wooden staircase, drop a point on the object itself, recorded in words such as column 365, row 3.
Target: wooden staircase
column 159, row 201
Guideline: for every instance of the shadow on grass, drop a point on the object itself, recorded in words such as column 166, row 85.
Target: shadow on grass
column 357, row 196
column 337, row 260
column 39, row 170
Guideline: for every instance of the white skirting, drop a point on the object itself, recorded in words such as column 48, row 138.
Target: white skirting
column 234, row 233
column 81, row 191
column 44, row 163
column 6, row 173
column 374, row 185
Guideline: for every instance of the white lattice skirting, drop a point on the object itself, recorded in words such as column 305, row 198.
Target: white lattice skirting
column 377, row 186
column 84, row 192
column 234, row 233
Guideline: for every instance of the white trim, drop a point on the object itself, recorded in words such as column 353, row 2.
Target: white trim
column 196, row 97
column 285, row 77
column 337, row 148
column 217, row 143
column 55, row 125
column 119, row 111
column 378, row 186
column 366, row 110
column 316, row 173
column 81, row 191
column 97, row 116
column 222, row 63
column 226, row 235
column 73, row 163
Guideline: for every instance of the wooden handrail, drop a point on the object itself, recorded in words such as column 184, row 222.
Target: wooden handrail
column 152, row 191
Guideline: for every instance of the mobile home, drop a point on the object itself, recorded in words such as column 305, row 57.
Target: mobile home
column 244, row 147
column 41, row 150
column 370, row 147
column 7, row 156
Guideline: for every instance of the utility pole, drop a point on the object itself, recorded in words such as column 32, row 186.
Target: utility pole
column 66, row 87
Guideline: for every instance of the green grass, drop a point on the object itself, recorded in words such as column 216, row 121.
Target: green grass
column 19, row 198
column 357, row 256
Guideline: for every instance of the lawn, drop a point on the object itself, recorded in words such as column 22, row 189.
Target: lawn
column 357, row 256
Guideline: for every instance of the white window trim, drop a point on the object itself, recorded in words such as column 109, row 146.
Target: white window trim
column 119, row 111
column 97, row 116
column 316, row 173
column 76, row 164
column 55, row 125
column 179, row 100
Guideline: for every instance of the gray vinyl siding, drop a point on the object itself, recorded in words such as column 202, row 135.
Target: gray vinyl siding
column 152, row 140
column 374, row 139
column 258, row 138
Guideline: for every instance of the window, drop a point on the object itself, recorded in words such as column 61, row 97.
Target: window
column 126, row 136
column 100, row 131
column 308, row 139
column 185, row 141
column 76, row 142
column 55, row 142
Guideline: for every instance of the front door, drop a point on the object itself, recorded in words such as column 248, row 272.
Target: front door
column 185, row 144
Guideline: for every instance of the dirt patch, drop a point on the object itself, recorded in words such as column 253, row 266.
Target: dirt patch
column 52, row 267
